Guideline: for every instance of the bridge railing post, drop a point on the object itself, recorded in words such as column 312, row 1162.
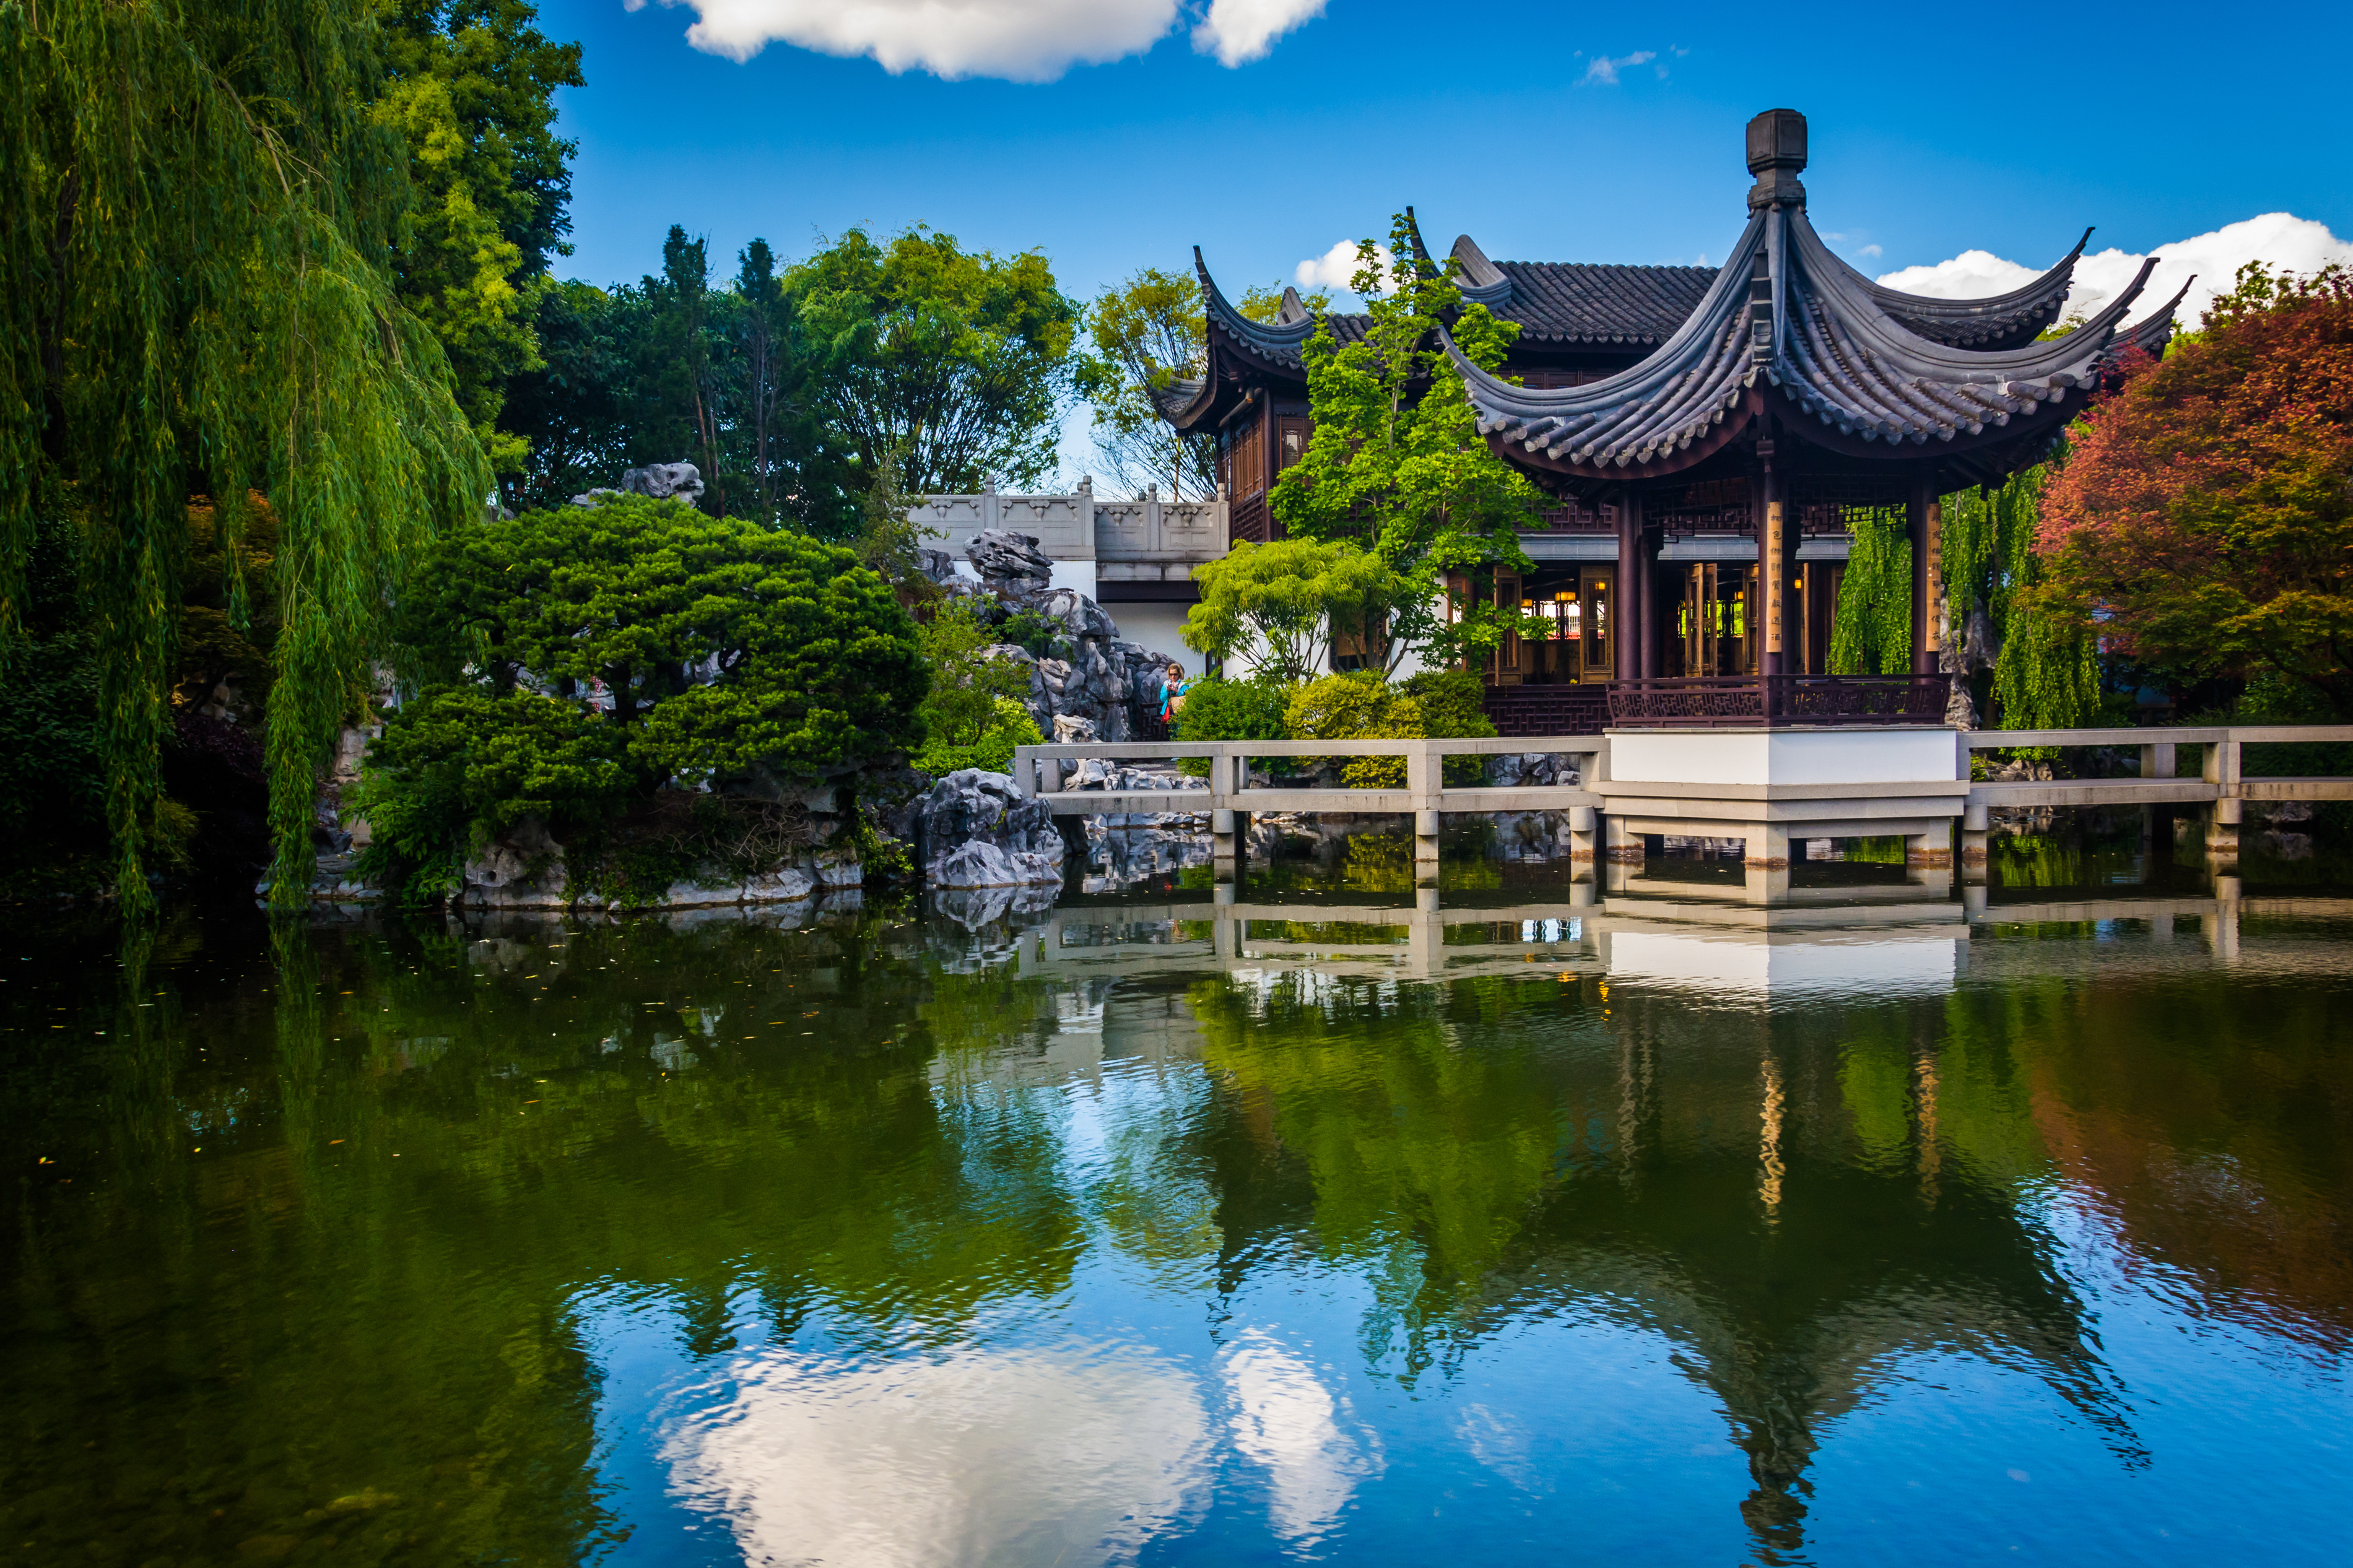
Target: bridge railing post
column 2222, row 763
column 1425, row 774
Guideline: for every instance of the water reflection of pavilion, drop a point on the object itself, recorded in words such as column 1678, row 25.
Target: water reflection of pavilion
column 1800, row 1210
column 1912, row 935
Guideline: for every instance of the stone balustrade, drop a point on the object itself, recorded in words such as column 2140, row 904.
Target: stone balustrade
column 1149, row 539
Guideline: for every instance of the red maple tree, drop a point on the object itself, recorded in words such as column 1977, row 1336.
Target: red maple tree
column 2204, row 511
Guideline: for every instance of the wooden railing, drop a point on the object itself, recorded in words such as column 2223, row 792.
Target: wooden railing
column 1548, row 710
column 1748, row 702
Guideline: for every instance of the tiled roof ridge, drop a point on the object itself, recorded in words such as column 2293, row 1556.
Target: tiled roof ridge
column 1784, row 313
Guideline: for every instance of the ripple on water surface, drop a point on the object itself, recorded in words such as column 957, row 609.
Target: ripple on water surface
column 1638, row 1223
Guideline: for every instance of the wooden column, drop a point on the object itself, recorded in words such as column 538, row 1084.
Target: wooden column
column 1772, row 563
column 1926, row 519
column 1625, row 659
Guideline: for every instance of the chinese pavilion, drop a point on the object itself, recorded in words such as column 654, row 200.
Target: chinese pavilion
column 1711, row 436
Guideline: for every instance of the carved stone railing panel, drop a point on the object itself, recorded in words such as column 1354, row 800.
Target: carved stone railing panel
column 1077, row 527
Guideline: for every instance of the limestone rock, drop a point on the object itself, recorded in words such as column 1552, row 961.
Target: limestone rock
column 970, row 806
column 780, row 886
column 1522, row 770
column 524, row 870
column 1070, row 729
column 1010, row 563
column 979, row 864
column 680, row 481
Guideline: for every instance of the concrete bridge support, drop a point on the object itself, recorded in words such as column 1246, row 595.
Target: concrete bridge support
column 1976, row 834
column 1931, row 849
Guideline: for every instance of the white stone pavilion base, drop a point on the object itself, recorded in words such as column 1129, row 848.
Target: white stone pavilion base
column 1769, row 787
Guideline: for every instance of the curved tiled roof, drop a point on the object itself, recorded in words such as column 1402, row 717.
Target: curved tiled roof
column 1278, row 343
column 2000, row 321
column 1786, row 326
column 1785, row 315
column 1586, row 302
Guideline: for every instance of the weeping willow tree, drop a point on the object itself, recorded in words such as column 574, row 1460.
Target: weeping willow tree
column 197, row 213
column 1996, row 612
column 2000, row 614
column 1871, row 631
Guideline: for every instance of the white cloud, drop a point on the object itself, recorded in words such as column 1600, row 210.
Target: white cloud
column 1602, row 70
column 1336, row 268
column 999, row 1456
column 1018, row 40
column 1285, row 1419
column 2281, row 241
column 1239, row 31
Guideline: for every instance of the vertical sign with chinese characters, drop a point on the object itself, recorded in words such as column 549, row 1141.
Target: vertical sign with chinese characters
column 1774, row 572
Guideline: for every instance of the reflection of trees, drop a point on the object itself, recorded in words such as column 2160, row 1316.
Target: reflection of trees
column 349, row 1318
column 2210, row 1118
column 1799, row 1207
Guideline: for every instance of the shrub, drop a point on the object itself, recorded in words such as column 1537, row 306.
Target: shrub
column 458, row 765
column 993, row 753
column 1218, row 710
column 966, row 683
column 1435, row 705
column 1358, row 706
column 571, row 663
column 1453, row 707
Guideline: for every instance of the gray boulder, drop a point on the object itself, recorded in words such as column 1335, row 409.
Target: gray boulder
column 970, row 806
column 523, row 869
column 681, row 481
column 1010, row 563
column 980, row 865
column 1510, row 770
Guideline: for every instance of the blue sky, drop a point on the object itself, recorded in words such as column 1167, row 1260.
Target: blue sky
column 2004, row 128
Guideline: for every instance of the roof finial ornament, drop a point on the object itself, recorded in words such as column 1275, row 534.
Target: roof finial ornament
column 1777, row 150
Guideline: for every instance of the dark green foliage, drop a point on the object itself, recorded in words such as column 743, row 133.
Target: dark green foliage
column 1219, row 710
column 726, row 649
column 967, row 686
column 1039, row 635
column 52, row 778
column 1454, row 703
column 196, row 206
column 792, row 386
column 676, row 366
column 472, row 93
column 1454, row 706
column 571, row 663
column 991, row 751
column 952, row 362
column 458, row 765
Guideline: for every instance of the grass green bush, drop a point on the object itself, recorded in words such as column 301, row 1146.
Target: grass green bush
column 1011, row 726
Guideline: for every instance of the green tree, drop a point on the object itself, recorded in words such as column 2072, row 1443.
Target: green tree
column 1871, row 630
column 953, row 362
column 1147, row 333
column 1396, row 461
column 2203, row 516
column 199, row 202
column 1274, row 604
column 967, row 682
column 738, row 650
column 472, row 93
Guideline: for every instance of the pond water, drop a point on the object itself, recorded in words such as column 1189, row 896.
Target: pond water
column 1644, row 1226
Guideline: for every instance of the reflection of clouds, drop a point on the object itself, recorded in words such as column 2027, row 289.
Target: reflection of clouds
column 1500, row 1442
column 982, row 1456
column 1288, row 1421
